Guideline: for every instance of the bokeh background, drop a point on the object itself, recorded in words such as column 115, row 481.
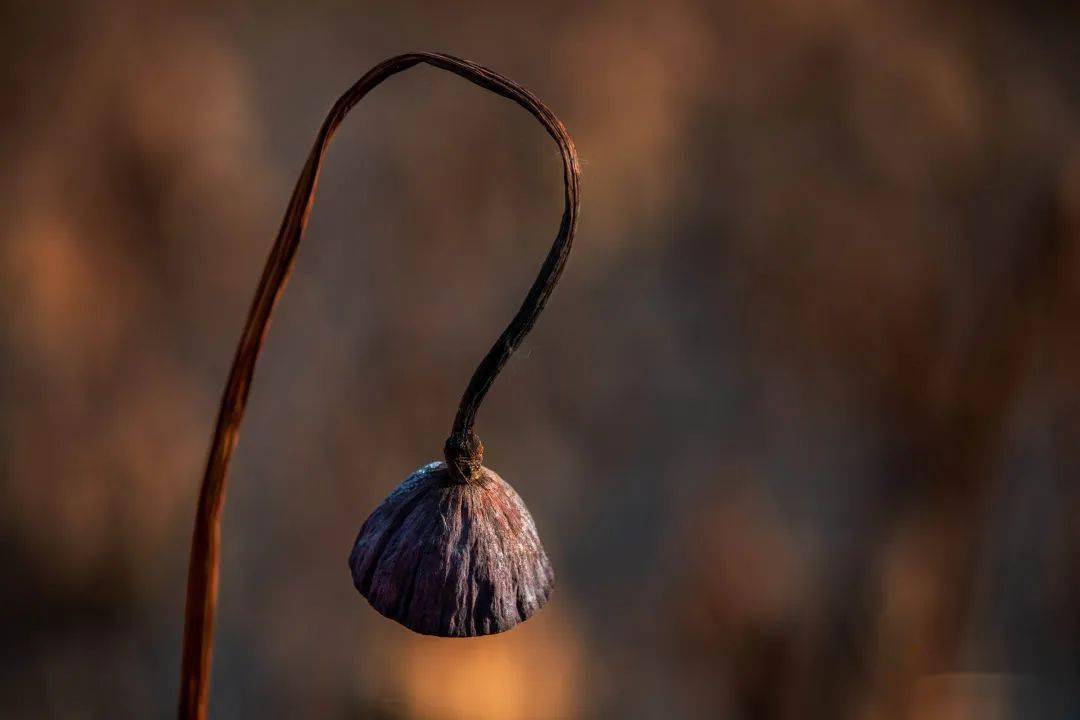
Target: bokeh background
column 799, row 427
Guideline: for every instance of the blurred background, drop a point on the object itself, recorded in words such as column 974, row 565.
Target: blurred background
column 799, row 427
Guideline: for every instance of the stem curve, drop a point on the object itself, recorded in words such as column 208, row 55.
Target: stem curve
column 463, row 449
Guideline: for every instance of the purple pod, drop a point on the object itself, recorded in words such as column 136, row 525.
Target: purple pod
column 452, row 559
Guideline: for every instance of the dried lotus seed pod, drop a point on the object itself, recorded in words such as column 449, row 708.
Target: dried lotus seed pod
column 452, row 559
column 453, row 550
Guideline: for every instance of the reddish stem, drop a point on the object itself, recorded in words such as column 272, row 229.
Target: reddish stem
column 462, row 447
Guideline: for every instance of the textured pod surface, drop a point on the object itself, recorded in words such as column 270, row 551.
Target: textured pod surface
column 450, row 559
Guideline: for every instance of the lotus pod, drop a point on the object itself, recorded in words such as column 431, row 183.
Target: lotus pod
column 452, row 551
column 452, row 559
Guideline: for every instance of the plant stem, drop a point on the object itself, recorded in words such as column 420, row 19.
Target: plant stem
column 462, row 448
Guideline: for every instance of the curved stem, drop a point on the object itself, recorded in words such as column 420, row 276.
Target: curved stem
column 462, row 449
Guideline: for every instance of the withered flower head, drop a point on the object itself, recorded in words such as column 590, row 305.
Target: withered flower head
column 452, row 551
column 453, row 559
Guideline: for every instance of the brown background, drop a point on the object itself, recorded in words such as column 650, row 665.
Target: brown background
column 799, row 428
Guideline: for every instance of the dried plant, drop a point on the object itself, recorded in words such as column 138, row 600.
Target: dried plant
column 452, row 551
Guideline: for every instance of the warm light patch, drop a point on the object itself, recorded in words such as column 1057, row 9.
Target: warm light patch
column 528, row 672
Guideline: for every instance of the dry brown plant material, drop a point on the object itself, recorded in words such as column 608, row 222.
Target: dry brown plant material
column 452, row 551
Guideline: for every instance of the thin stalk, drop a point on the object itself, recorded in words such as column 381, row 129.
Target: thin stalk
column 463, row 449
